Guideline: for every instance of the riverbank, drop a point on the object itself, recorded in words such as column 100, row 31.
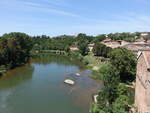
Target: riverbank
column 7, row 67
column 42, row 82
column 96, row 64
column 118, row 73
column 3, row 70
column 36, row 54
column 101, row 70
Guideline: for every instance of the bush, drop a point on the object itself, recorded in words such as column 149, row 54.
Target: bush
column 102, row 71
column 76, row 54
column 121, row 104
column 85, row 61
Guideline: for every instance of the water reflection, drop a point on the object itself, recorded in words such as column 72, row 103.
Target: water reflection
column 15, row 77
column 47, row 58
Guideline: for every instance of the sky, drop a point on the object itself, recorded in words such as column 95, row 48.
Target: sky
column 58, row 17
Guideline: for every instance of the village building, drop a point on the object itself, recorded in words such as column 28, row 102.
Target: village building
column 143, row 34
column 139, row 41
column 90, row 46
column 142, row 88
column 107, row 40
column 135, row 47
column 73, row 48
column 114, row 44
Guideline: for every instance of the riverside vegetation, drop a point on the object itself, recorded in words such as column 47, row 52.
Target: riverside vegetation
column 115, row 67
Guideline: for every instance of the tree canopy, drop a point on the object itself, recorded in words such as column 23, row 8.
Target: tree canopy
column 124, row 62
column 14, row 49
column 116, row 97
column 101, row 50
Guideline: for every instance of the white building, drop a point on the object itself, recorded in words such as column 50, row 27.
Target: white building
column 143, row 34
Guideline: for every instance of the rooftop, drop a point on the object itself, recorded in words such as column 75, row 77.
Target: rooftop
column 137, row 47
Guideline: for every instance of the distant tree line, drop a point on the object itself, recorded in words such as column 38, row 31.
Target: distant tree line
column 15, row 48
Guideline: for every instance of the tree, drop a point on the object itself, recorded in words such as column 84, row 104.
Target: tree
column 101, row 50
column 15, row 49
column 121, row 104
column 99, row 38
column 111, row 81
column 83, row 48
column 122, row 36
column 124, row 61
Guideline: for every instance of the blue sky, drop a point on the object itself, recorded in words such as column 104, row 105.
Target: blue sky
column 57, row 17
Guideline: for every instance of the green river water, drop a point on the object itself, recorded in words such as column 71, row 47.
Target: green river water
column 38, row 87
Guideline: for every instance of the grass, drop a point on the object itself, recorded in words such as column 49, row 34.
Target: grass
column 95, row 64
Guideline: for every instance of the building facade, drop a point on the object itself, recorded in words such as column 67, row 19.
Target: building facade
column 73, row 48
column 142, row 89
column 143, row 34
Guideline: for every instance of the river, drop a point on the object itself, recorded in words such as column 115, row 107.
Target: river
column 38, row 87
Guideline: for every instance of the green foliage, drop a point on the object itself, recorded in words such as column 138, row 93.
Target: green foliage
column 14, row 49
column 103, row 71
column 99, row 38
column 116, row 96
column 121, row 104
column 83, row 38
column 122, row 89
column 86, row 61
column 124, row 62
column 123, row 36
column 101, row 50
column 83, row 49
column 77, row 55
column 111, row 81
column 61, row 43
column 95, row 109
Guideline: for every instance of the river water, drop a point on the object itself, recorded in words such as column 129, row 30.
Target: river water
column 38, row 87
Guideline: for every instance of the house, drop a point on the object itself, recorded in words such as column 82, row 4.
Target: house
column 73, row 48
column 107, row 40
column 143, row 34
column 119, row 41
column 142, row 88
column 135, row 47
column 90, row 46
column 114, row 44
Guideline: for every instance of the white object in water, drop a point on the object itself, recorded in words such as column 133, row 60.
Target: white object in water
column 95, row 98
column 68, row 81
column 78, row 74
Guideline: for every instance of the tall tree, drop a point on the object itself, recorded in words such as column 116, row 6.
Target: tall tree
column 125, row 62
column 83, row 49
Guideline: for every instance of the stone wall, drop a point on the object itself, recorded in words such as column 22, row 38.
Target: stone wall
column 142, row 94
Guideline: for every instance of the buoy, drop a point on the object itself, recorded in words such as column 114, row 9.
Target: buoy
column 68, row 81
